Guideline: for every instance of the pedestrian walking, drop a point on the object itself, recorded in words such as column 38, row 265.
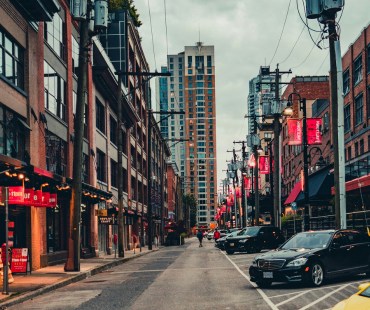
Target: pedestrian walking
column 200, row 237
column 216, row 235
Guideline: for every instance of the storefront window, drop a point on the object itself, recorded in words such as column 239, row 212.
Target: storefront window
column 54, row 226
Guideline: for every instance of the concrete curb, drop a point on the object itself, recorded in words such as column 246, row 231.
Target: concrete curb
column 17, row 299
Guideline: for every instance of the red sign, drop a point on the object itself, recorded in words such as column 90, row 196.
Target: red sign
column 28, row 197
column 314, row 131
column 19, row 260
column 294, row 131
column 238, row 192
column 264, row 164
column 16, row 195
column 247, row 183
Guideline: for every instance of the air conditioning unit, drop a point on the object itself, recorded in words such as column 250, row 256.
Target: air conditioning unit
column 79, row 9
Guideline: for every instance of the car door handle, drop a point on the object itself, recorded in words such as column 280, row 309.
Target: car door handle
column 350, row 247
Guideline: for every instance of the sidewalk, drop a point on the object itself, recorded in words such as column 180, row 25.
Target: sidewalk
column 50, row 278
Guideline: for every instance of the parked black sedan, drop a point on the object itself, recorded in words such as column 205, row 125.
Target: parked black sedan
column 253, row 239
column 220, row 243
column 313, row 257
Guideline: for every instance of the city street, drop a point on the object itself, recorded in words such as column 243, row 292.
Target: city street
column 188, row 277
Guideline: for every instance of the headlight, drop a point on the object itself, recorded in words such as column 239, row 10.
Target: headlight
column 254, row 263
column 297, row 262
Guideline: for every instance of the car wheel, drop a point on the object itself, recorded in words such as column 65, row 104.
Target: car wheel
column 264, row 283
column 316, row 274
column 230, row 252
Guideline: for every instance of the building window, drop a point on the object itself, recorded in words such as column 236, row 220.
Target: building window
column 362, row 146
column 359, row 107
column 357, row 68
column 11, row 60
column 100, row 116
column 347, row 118
column 12, row 134
column 75, row 55
column 54, row 34
column 113, row 173
column 100, row 166
column 346, row 84
column 356, row 149
column 56, row 154
column 349, row 153
column 85, row 168
column 54, row 92
column 113, row 130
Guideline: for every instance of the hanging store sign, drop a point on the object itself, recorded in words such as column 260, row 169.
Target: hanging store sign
column 264, row 164
column 107, row 220
column 294, row 131
column 314, row 131
column 29, row 197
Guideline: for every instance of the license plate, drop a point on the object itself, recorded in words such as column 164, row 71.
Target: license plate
column 231, row 244
column 267, row 275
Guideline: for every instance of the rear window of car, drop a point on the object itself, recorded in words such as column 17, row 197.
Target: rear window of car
column 366, row 293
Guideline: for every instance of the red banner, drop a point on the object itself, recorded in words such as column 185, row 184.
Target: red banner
column 264, row 164
column 314, row 131
column 247, row 183
column 294, row 131
column 238, row 192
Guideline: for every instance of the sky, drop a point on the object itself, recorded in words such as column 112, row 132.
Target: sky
column 246, row 34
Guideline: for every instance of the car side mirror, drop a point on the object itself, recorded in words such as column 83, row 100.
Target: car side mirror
column 335, row 245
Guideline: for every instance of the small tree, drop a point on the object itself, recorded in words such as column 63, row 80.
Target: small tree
column 126, row 5
column 191, row 204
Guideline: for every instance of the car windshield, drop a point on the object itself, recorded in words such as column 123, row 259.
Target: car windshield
column 307, row 241
column 366, row 293
column 252, row 231
column 243, row 232
column 234, row 233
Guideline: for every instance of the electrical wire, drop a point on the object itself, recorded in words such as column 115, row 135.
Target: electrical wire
column 165, row 22
column 327, row 54
column 151, row 30
column 291, row 51
column 282, row 31
column 308, row 55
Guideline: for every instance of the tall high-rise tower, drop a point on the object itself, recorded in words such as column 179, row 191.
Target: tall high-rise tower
column 191, row 88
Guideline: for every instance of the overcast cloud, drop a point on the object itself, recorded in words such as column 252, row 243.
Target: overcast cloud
column 245, row 34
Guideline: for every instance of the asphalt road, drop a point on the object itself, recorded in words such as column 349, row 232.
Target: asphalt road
column 188, row 277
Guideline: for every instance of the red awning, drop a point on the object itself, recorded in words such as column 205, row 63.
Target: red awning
column 361, row 182
column 294, row 193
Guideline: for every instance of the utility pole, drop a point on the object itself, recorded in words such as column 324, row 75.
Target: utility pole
column 276, row 145
column 73, row 259
column 336, row 91
column 243, row 220
column 121, row 245
column 235, row 186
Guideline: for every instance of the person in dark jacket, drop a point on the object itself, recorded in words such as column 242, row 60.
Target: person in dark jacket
column 200, row 237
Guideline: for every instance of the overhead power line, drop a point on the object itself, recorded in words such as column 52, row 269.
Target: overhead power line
column 282, row 31
column 151, row 29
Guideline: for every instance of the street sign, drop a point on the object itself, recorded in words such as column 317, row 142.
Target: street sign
column 294, row 206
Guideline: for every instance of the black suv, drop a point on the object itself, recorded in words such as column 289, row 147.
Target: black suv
column 313, row 257
column 253, row 239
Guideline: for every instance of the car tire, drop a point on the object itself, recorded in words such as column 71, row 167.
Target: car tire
column 264, row 283
column 230, row 252
column 316, row 275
